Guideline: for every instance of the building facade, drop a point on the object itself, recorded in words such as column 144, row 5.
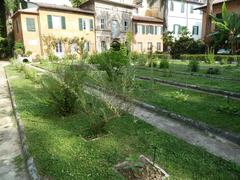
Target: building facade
column 40, row 20
column 113, row 21
column 182, row 14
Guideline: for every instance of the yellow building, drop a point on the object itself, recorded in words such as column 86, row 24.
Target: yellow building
column 33, row 24
column 147, row 34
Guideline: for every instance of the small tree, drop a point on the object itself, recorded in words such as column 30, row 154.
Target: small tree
column 168, row 40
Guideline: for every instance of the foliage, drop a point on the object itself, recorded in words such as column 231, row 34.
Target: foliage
column 19, row 45
column 180, row 95
column 134, row 165
column 28, row 53
column 164, row 64
column 228, row 109
column 210, row 57
column 168, row 40
column 65, row 89
column 11, row 5
column 19, row 52
column 52, row 57
column 228, row 26
column 215, row 71
column 186, row 44
column 77, row 3
column 193, row 66
column 138, row 58
column 111, row 61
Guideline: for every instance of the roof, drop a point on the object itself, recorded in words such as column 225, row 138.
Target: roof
column 147, row 19
column 195, row 2
column 62, row 8
column 26, row 11
column 215, row 2
column 111, row 2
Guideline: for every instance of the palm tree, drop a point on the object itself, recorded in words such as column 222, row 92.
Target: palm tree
column 228, row 25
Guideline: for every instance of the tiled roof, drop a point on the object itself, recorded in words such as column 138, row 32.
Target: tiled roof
column 63, row 8
column 147, row 19
column 111, row 2
column 215, row 2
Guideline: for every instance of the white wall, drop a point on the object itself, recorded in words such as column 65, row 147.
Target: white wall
column 185, row 18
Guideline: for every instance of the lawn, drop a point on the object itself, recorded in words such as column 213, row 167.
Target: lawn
column 227, row 85
column 198, row 106
column 60, row 151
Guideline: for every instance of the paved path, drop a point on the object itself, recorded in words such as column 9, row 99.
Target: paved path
column 214, row 145
column 11, row 161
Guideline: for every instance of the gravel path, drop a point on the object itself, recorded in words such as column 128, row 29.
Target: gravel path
column 11, row 161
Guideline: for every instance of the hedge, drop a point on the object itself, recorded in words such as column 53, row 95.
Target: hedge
column 219, row 58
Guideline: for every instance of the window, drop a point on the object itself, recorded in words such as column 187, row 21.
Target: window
column 56, row 22
column 171, row 6
column 59, row 47
column 147, row 29
column 151, row 29
column 87, row 46
column 103, row 45
column 85, row 24
column 115, row 29
column 143, row 29
column 139, row 29
column 140, row 46
column 195, row 30
column 191, row 9
column 125, row 25
column 150, row 46
column 30, row 24
column 182, row 7
column 176, row 29
column 157, row 30
column 158, row 46
column 102, row 23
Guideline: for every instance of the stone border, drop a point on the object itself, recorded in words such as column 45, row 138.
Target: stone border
column 191, row 74
column 29, row 161
column 235, row 138
column 194, row 87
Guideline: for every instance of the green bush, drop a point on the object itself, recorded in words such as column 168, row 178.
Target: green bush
column 164, row 64
column 19, row 52
column 111, row 61
column 138, row 58
column 193, row 66
column 52, row 57
column 19, row 45
column 215, row 71
column 28, row 53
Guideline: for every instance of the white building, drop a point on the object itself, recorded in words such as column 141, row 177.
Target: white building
column 182, row 14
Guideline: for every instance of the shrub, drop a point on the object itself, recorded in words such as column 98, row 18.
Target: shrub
column 228, row 109
column 19, row 52
column 52, row 57
column 180, row 96
column 28, row 53
column 111, row 61
column 213, row 71
column 223, row 60
column 138, row 58
column 193, row 66
column 164, row 64
column 31, row 74
column 65, row 89
column 153, row 63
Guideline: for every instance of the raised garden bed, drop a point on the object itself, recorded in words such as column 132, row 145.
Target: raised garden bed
column 142, row 169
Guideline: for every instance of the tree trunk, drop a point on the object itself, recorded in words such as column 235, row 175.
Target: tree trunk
column 208, row 21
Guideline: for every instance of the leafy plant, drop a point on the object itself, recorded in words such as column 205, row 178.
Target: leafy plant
column 229, row 109
column 180, row 96
column 210, row 57
column 134, row 165
column 193, row 66
column 28, row 53
column 164, row 64
column 215, row 71
column 19, row 52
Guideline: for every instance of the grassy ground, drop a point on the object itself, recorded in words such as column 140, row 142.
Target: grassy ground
column 195, row 80
column 61, row 153
column 230, row 71
column 197, row 106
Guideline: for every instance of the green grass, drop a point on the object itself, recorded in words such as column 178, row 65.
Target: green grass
column 61, row 153
column 201, row 107
column 230, row 71
column 227, row 85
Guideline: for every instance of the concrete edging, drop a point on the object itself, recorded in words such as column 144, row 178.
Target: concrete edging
column 29, row 161
column 235, row 138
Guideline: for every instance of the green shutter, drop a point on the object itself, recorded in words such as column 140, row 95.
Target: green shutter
column 63, row 22
column 80, row 24
column 91, row 25
column 147, row 29
column 50, row 25
column 136, row 30
column 143, row 29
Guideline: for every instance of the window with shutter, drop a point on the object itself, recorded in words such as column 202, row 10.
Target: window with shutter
column 30, row 24
column 63, row 22
column 91, row 25
column 80, row 24
column 50, row 25
column 143, row 29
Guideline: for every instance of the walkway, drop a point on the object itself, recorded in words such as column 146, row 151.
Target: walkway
column 11, row 161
